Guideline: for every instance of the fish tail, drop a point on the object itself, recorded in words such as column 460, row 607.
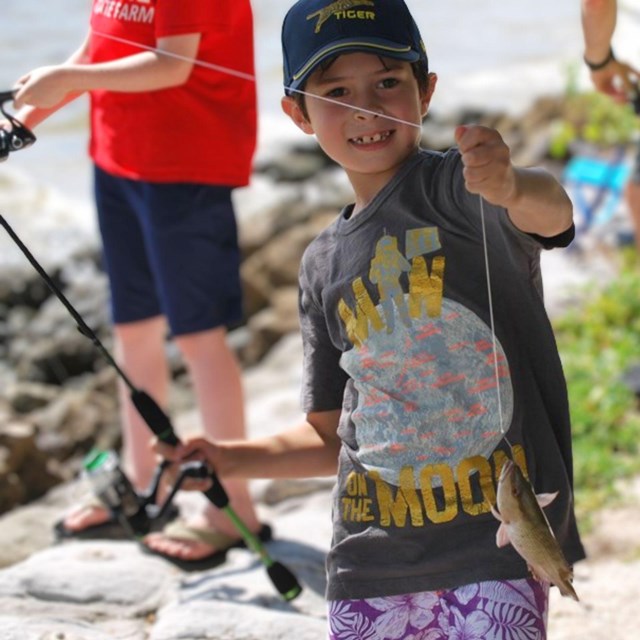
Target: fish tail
column 566, row 589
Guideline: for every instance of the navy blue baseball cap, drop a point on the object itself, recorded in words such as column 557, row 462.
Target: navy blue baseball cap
column 314, row 30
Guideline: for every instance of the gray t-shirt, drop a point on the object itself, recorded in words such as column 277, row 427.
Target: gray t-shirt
column 396, row 328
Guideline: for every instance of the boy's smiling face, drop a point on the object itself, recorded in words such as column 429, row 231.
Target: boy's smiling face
column 368, row 146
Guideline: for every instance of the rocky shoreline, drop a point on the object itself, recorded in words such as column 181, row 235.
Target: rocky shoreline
column 57, row 400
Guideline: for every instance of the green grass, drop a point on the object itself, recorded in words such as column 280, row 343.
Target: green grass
column 597, row 343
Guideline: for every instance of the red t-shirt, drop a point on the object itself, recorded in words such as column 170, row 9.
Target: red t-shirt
column 203, row 131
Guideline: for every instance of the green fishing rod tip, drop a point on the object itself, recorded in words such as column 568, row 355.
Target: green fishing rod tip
column 292, row 594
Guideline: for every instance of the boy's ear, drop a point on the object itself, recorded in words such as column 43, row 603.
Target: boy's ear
column 425, row 99
column 293, row 110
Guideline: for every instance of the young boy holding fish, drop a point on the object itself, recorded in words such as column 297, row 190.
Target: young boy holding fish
column 417, row 361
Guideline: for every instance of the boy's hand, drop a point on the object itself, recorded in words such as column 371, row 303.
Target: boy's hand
column 487, row 164
column 43, row 88
column 195, row 450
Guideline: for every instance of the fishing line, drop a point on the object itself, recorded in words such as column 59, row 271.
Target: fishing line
column 249, row 77
column 252, row 78
column 492, row 323
column 355, row 108
column 170, row 54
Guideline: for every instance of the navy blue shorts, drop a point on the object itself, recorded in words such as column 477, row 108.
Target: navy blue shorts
column 170, row 249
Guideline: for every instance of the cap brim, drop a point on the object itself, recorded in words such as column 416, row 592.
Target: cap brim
column 381, row 47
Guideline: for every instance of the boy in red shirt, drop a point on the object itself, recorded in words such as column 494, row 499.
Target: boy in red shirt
column 170, row 139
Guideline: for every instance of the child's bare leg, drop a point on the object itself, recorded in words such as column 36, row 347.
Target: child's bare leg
column 140, row 351
column 217, row 382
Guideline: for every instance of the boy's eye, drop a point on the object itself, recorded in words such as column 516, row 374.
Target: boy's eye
column 389, row 83
column 337, row 92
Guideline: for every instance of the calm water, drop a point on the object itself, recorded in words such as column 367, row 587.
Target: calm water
column 498, row 53
column 462, row 36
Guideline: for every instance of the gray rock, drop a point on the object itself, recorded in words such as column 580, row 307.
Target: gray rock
column 105, row 589
column 51, row 627
column 200, row 619
column 104, row 578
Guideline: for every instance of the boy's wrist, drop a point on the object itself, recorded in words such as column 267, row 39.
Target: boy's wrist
column 512, row 191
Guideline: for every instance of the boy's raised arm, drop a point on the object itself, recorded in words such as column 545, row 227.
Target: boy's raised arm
column 535, row 200
column 540, row 204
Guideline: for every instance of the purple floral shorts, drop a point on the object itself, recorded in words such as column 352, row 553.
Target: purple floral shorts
column 500, row 610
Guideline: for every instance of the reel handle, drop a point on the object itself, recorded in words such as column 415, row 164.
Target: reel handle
column 19, row 137
column 5, row 96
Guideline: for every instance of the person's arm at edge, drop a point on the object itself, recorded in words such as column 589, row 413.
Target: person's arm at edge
column 612, row 77
column 169, row 66
column 598, row 24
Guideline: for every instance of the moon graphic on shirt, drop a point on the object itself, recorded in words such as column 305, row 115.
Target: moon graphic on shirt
column 428, row 391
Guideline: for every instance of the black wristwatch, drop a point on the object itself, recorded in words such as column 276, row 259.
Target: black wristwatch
column 596, row 66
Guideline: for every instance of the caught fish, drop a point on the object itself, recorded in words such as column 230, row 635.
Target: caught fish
column 524, row 525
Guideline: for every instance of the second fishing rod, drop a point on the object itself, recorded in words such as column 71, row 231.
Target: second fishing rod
column 160, row 424
column 139, row 512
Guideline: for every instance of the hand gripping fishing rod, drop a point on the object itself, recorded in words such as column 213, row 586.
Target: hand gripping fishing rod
column 160, row 424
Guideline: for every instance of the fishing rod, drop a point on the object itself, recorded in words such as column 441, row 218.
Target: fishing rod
column 140, row 518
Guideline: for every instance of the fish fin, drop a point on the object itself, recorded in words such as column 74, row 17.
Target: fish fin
column 566, row 589
column 496, row 513
column 545, row 499
column 540, row 576
column 564, row 583
column 502, row 536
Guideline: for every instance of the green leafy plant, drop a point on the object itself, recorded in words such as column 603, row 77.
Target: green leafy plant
column 597, row 344
column 592, row 118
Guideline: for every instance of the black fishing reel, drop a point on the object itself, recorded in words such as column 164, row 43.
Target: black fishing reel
column 18, row 137
column 138, row 512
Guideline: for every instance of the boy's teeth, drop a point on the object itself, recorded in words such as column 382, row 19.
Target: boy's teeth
column 370, row 139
